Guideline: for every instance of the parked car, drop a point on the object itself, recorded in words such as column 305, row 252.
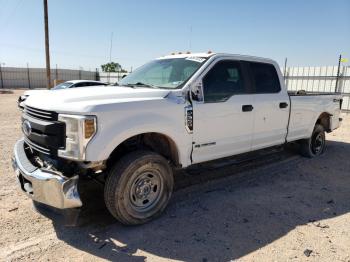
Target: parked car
column 78, row 83
column 64, row 85
column 173, row 112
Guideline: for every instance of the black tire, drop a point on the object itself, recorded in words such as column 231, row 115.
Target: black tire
column 138, row 187
column 315, row 145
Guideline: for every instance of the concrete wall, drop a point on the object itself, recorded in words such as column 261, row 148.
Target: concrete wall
column 13, row 77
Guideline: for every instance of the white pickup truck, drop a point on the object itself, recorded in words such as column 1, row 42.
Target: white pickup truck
column 173, row 112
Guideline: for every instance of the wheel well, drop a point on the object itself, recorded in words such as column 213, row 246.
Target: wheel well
column 324, row 120
column 155, row 142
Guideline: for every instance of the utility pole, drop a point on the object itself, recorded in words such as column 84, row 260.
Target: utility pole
column 285, row 67
column 47, row 48
column 1, row 79
column 338, row 73
column 56, row 75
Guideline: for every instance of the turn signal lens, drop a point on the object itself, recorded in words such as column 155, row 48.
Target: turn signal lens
column 89, row 128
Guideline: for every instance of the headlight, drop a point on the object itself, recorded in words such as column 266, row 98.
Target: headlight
column 79, row 131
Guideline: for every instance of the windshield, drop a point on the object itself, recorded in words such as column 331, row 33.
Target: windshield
column 62, row 86
column 164, row 73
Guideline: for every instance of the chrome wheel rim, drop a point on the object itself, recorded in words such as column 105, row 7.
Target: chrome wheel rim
column 146, row 190
column 317, row 144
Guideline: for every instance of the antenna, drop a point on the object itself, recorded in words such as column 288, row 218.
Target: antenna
column 190, row 40
column 110, row 49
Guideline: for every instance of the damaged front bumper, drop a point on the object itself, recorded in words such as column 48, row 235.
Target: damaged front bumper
column 45, row 186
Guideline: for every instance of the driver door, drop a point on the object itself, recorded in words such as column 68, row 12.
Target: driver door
column 223, row 120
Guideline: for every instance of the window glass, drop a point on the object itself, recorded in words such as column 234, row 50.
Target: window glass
column 81, row 84
column 158, row 74
column 164, row 73
column 223, row 81
column 94, row 84
column 63, row 86
column 265, row 78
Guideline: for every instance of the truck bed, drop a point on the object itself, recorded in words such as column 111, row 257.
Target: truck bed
column 306, row 107
column 308, row 93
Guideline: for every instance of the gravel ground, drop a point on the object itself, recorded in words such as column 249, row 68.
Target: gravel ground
column 276, row 207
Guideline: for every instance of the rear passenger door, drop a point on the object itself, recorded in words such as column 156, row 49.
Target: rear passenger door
column 271, row 106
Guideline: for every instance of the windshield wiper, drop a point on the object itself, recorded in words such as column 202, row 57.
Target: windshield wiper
column 141, row 84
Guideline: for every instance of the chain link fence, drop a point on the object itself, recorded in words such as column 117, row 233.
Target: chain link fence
column 111, row 78
column 321, row 79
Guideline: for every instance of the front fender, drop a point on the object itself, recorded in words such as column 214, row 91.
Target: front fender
column 113, row 130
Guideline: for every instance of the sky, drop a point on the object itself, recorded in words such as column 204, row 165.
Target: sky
column 308, row 33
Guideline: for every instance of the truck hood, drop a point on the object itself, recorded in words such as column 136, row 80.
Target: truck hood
column 32, row 92
column 84, row 100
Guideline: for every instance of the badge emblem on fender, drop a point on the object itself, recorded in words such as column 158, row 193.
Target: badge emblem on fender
column 189, row 119
column 26, row 127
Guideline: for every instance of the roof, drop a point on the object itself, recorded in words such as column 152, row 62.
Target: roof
column 209, row 54
column 82, row 81
column 185, row 55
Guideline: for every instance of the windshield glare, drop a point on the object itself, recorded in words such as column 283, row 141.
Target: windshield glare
column 62, row 86
column 164, row 73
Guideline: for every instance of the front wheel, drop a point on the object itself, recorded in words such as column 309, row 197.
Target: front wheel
column 138, row 187
column 315, row 145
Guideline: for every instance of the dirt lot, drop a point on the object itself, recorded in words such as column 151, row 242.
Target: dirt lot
column 277, row 207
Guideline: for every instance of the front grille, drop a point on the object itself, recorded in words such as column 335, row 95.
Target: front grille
column 47, row 134
column 40, row 114
column 36, row 147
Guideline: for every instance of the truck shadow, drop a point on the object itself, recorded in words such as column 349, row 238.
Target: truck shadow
column 228, row 218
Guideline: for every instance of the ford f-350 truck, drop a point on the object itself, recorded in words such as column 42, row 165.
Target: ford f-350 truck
column 173, row 112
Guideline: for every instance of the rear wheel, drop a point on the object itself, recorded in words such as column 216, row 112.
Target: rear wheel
column 138, row 187
column 316, row 144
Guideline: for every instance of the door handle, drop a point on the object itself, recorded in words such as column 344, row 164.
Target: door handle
column 283, row 105
column 247, row 108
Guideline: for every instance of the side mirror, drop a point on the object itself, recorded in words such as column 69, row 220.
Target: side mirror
column 197, row 91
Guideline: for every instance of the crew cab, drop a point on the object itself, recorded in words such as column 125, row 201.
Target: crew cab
column 173, row 112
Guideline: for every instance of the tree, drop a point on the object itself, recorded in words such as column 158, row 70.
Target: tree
column 111, row 67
